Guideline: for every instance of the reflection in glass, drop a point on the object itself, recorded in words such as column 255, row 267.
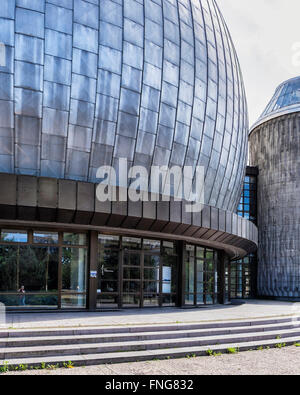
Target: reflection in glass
column 151, row 274
column 74, row 264
column 169, row 248
column 36, row 268
column 151, row 299
column 131, row 273
column 45, row 237
column 169, row 300
column 107, row 301
column 131, row 259
column 151, row 286
column 107, row 241
column 189, row 276
column 9, row 268
column 76, row 301
column 131, row 300
column 200, row 252
column 153, row 245
column 131, row 286
column 31, row 300
column 189, row 299
column 131, row 243
column 79, row 239
column 14, row 236
column 25, row 270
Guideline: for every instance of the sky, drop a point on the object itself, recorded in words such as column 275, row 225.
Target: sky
column 266, row 34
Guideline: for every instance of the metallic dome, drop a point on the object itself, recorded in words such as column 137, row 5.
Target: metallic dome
column 87, row 82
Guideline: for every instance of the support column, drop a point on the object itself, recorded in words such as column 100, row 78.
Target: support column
column 93, row 267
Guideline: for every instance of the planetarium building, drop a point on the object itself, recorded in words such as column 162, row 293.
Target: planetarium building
column 84, row 84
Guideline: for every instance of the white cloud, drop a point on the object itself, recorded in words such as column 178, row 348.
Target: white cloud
column 264, row 33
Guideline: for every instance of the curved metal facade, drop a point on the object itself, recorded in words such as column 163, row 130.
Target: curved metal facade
column 275, row 149
column 87, row 82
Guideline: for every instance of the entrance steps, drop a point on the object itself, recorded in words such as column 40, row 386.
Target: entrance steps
column 101, row 345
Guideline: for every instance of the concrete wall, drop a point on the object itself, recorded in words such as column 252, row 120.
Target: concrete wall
column 275, row 149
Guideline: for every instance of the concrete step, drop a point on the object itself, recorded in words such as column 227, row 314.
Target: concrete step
column 102, row 344
column 142, row 336
column 132, row 356
column 127, row 346
column 94, row 330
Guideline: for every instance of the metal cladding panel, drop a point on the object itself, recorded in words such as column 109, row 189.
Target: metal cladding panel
column 157, row 82
column 275, row 149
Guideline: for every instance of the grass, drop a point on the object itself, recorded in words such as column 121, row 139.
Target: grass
column 232, row 350
column 22, row 367
column 212, row 353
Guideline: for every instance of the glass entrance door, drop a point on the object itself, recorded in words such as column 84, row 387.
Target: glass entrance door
column 201, row 280
column 132, row 272
column 135, row 272
column 151, row 279
column 108, row 272
column 149, row 273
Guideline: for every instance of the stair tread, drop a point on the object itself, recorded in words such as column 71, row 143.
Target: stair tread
column 9, row 333
column 129, row 328
column 123, row 344
column 246, row 329
column 130, row 355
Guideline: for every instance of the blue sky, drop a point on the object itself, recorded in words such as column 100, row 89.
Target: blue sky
column 266, row 34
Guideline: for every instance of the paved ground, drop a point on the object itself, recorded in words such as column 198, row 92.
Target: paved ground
column 284, row 361
column 251, row 309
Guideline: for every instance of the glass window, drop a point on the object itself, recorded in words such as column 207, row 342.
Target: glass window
column 131, row 243
column 131, row 286
column 14, row 236
column 8, row 268
column 131, row 273
column 38, row 268
column 169, row 248
column 79, row 239
column 130, row 300
column 189, row 299
column 46, row 300
column 189, row 276
column 107, row 300
column 132, row 259
column 45, row 237
column 200, row 252
column 151, row 245
column 151, row 287
column 190, row 249
column 151, row 260
column 74, row 264
column 109, row 241
column 151, row 274
column 75, row 301
column 34, row 268
column 151, row 299
column 168, row 300
column 108, row 286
